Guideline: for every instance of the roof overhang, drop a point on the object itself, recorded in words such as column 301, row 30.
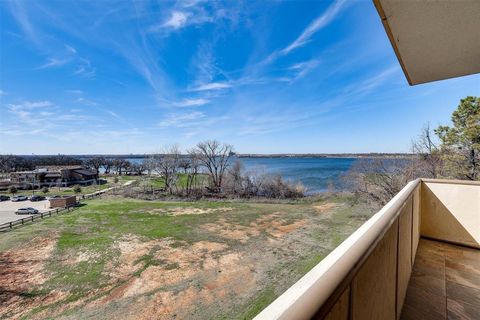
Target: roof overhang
column 433, row 39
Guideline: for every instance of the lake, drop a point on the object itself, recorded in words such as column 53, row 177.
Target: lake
column 314, row 173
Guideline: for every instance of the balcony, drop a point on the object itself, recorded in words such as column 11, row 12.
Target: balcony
column 417, row 258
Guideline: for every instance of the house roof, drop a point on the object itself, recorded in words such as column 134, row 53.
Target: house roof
column 53, row 175
column 86, row 172
column 433, row 40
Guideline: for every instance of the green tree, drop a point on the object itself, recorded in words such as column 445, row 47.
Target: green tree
column 460, row 144
column 45, row 190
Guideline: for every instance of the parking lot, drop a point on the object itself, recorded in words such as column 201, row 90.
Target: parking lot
column 8, row 208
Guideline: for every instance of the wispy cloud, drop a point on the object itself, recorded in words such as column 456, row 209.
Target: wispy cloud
column 191, row 102
column 316, row 25
column 34, row 117
column 113, row 114
column 181, row 120
column 29, row 105
column 320, row 22
column 86, row 101
column 212, row 86
column 54, row 62
column 75, row 91
column 20, row 14
column 301, row 69
column 85, row 68
column 191, row 120
column 372, row 82
column 71, row 49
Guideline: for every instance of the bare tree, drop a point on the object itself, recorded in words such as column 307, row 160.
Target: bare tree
column 215, row 157
column 184, row 163
column 192, row 172
column 107, row 165
column 149, row 164
column 166, row 165
column 379, row 180
column 236, row 177
column 429, row 157
column 95, row 162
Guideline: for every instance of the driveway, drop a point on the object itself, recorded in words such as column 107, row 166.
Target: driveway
column 8, row 208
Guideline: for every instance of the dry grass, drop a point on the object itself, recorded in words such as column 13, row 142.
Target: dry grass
column 160, row 260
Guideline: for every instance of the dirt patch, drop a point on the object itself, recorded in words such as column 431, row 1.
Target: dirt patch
column 189, row 211
column 325, row 207
column 272, row 224
column 21, row 271
column 206, row 271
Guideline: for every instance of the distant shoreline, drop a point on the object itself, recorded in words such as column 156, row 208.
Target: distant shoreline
column 248, row 155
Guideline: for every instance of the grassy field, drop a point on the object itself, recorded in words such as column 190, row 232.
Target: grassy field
column 159, row 182
column 132, row 259
column 62, row 191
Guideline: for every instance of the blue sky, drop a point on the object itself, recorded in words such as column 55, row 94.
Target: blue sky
column 267, row 76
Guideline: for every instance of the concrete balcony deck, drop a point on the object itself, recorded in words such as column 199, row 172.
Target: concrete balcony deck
column 417, row 258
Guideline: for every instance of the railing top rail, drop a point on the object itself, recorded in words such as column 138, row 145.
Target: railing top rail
column 445, row 181
column 306, row 296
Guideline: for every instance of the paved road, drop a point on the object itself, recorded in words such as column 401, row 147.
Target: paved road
column 7, row 209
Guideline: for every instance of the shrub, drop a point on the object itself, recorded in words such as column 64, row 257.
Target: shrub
column 77, row 189
column 45, row 190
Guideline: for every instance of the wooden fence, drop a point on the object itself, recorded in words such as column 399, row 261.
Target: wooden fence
column 40, row 216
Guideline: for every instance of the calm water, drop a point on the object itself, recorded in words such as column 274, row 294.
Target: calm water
column 313, row 173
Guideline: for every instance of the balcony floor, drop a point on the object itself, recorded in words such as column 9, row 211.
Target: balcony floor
column 445, row 283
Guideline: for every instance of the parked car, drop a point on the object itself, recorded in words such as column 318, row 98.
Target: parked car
column 37, row 198
column 26, row 211
column 4, row 198
column 19, row 198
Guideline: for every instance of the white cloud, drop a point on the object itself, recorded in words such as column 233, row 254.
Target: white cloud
column 212, row 86
column 177, row 20
column 191, row 102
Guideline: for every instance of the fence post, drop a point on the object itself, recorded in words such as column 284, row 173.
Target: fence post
column 41, row 215
column 57, row 210
column 20, row 220
column 11, row 226
column 32, row 218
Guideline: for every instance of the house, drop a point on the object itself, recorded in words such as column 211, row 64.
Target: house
column 50, row 176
